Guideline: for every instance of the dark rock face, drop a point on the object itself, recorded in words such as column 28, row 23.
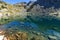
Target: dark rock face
column 49, row 3
column 42, row 8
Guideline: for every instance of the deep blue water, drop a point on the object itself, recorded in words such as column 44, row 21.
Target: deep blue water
column 25, row 26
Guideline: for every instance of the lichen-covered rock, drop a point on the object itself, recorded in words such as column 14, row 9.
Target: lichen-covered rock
column 17, row 36
column 39, row 38
column 24, row 36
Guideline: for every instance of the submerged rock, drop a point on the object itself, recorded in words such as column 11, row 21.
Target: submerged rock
column 53, row 35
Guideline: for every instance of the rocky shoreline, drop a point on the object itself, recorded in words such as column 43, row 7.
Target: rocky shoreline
column 23, row 32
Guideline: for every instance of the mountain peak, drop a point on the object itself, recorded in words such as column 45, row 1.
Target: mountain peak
column 49, row 3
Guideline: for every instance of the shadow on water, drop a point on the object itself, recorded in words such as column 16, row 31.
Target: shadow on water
column 24, row 26
column 46, row 23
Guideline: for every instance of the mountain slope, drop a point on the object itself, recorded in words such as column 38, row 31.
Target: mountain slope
column 49, row 3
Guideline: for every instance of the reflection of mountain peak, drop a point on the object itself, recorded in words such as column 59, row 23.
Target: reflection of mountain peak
column 49, row 3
